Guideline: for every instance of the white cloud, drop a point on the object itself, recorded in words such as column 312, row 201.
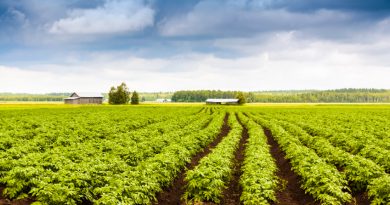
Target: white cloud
column 269, row 61
column 115, row 16
column 286, row 62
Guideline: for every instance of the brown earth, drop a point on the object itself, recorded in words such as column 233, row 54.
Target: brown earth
column 360, row 198
column 290, row 192
column 172, row 194
column 231, row 196
column 5, row 201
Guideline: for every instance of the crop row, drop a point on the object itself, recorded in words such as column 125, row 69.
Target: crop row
column 207, row 181
column 320, row 179
column 354, row 142
column 72, row 174
column 140, row 184
column 369, row 147
column 359, row 133
column 38, row 130
column 359, row 172
column 118, row 143
column 258, row 179
column 362, row 174
column 121, row 155
column 55, row 165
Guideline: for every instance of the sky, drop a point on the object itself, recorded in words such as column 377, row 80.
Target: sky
column 155, row 45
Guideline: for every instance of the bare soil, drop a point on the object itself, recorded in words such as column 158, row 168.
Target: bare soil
column 290, row 192
column 231, row 195
column 172, row 194
column 360, row 198
column 5, row 201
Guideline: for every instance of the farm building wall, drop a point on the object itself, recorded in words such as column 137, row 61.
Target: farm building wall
column 213, row 103
column 221, row 103
column 91, row 100
column 72, row 101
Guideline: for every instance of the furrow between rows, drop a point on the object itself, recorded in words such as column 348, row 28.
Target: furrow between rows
column 172, row 194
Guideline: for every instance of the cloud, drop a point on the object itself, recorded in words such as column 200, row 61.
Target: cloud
column 286, row 61
column 13, row 23
column 214, row 44
column 13, row 18
column 227, row 19
column 115, row 16
column 307, row 5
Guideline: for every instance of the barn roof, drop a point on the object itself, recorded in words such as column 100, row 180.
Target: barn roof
column 222, row 100
column 87, row 95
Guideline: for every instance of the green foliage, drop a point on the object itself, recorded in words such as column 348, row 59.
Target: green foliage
column 207, row 181
column 356, row 151
column 290, row 96
column 139, row 185
column 320, row 179
column 134, row 98
column 258, row 179
column 153, row 96
column 241, row 98
column 119, row 95
column 201, row 95
column 358, row 170
column 126, row 154
column 78, row 154
column 48, row 97
column 379, row 190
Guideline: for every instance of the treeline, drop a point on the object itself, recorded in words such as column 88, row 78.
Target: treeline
column 149, row 96
column 291, row 96
column 51, row 97
column 305, row 96
column 153, row 96
column 59, row 97
column 202, row 95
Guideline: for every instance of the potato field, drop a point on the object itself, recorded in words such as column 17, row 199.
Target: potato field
column 195, row 154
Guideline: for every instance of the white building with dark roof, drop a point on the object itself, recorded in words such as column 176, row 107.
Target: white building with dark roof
column 84, row 98
column 222, row 101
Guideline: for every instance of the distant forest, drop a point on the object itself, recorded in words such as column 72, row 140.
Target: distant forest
column 151, row 96
column 301, row 96
column 59, row 97
column 49, row 97
column 289, row 96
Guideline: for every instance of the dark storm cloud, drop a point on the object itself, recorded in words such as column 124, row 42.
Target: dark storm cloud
column 211, row 18
column 328, row 19
column 307, row 5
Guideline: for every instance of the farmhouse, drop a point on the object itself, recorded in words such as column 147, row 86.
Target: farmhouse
column 222, row 101
column 84, row 98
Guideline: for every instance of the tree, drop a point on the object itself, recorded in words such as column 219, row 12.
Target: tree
column 134, row 98
column 241, row 98
column 119, row 95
